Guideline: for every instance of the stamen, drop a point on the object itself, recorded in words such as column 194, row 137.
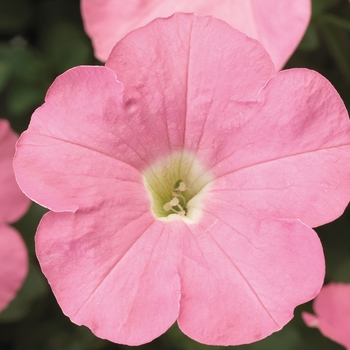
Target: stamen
column 175, row 193
column 182, row 187
column 179, row 187
column 179, row 205
column 174, row 201
column 181, row 212
column 169, row 206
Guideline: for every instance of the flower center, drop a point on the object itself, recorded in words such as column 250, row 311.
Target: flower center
column 178, row 203
column 176, row 185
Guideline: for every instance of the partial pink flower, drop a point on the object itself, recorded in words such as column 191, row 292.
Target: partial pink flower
column 13, row 264
column 13, row 204
column 183, row 178
column 278, row 24
column 332, row 308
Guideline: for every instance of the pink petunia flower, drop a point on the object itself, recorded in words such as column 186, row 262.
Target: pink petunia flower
column 13, row 204
column 278, row 24
column 332, row 308
column 183, row 178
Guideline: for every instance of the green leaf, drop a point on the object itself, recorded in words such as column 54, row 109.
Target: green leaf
column 67, row 46
column 311, row 40
column 342, row 273
column 5, row 74
column 14, row 15
column 321, row 6
column 34, row 287
column 337, row 21
column 337, row 42
column 24, row 98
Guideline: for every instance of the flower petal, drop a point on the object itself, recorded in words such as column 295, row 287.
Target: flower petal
column 107, row 22
column 91, row 160
column 277, row 24
column 186, row 70
column 332, row 307
column 13, row 203
column 113, row 272
column 13, row 262
column 242, row 280
column 290, row 156
column 281, row 25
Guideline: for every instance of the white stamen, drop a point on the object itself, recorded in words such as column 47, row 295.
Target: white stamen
column 167, row 206
column 181, row 209
column 182, row 187
column 174, row 201
column 176, row 193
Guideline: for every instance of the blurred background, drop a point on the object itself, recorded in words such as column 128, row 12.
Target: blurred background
column 39, row 39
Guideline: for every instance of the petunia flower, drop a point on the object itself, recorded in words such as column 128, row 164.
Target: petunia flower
column 13, row 204
column 332, row 308
column 278, row 24
column 183, row 178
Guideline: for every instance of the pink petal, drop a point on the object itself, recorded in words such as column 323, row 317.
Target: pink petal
column 13, row 203
column 88, row 161
column 291, row 151
column 186, row 70
column 241, row 278
column 278, row 24
column 13, row 262
column 113, row 270
column 332, row 307
column 310, row 320
column 117, row 281
column 281, row 25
